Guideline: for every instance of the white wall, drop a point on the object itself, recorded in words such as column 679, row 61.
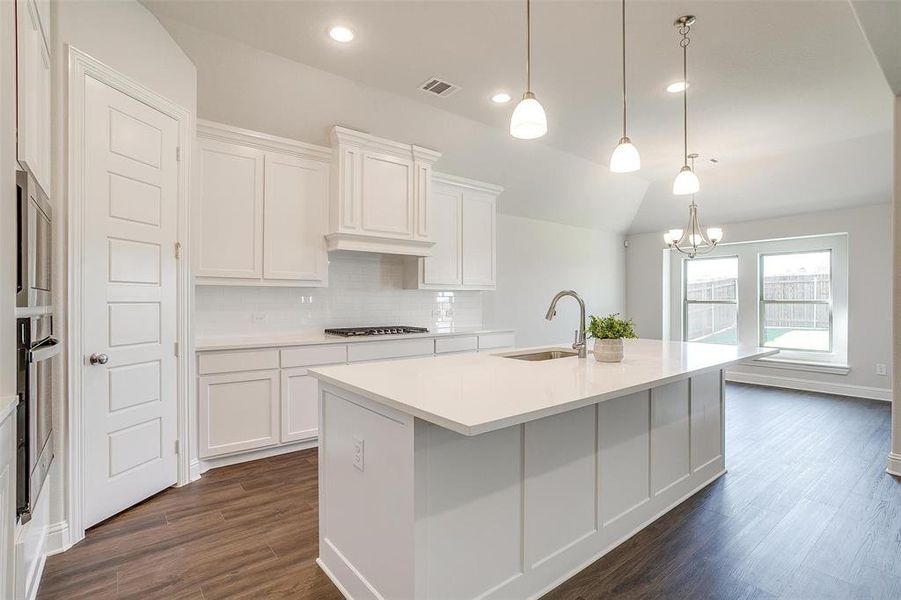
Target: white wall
column 869, row 293
column 535, row 260
column 894, row 461
column 125, row 36
column 364, row 289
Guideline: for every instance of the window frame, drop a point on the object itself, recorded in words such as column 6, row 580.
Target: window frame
column 762, row 303
column 686, row 301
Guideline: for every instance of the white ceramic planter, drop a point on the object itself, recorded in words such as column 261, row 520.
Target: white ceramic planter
column 608, row 350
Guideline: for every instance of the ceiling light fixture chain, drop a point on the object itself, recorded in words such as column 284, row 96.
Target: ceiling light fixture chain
column 684, row 28
column 686, row 181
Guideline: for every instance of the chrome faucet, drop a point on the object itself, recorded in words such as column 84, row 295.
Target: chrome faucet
column 579, row 341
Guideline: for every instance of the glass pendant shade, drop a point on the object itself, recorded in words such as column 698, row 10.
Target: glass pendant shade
column 686, row 182
column 714, row 234
column 625, row 158
column 528, row 121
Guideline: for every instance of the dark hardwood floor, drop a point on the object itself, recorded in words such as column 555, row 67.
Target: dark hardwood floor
column 806, row 511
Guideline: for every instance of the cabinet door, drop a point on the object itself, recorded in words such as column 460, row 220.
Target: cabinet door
column 33, row 94
column 444, row 266
column 387, row 196
column 229, row 222
column 300, row 405
column 294, row 225
column 237, row 412
column 478, row 239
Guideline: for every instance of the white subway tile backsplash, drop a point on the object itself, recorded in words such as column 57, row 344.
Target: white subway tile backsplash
column 364, row 289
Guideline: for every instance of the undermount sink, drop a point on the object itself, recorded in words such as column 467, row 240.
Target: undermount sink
column 544, row 354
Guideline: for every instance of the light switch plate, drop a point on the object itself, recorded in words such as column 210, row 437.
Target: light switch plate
column 881, row 369
column 358, row 454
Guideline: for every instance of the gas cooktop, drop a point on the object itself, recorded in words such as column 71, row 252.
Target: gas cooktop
column 388, row 330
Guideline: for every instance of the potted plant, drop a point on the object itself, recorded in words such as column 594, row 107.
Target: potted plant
column 608, row 333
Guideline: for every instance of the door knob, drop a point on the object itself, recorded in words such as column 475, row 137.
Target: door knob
column 99, row 359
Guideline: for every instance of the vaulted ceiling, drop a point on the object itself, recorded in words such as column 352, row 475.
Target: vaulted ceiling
column 786, row 95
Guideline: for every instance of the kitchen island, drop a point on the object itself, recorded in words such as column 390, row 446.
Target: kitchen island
column 487, row 476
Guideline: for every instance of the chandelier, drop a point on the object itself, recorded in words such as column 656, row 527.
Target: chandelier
column 693, row 240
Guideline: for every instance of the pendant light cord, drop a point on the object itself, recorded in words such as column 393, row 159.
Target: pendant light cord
column 624, row 68
column 528, row 45
column 684, row 29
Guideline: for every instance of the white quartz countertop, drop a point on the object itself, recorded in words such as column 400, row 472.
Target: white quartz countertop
column 206, row 344
column 476, row 393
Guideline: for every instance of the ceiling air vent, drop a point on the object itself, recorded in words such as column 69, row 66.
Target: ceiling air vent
column 439, row 87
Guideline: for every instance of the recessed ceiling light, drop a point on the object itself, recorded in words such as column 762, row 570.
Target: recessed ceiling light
column 677, row 86
column 342, row 34
column 501, row 98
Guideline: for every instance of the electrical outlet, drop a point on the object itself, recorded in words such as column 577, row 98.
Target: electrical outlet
column 881, row 369
column 259, row 317
column 358, row 454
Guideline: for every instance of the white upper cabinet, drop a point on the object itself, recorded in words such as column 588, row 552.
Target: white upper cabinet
column 229, row 228
column 261, row 218
column 33, row 89
column 381, row 195
column 464, row 228
column 294, row 219
column 445, row 266
column 478, row 239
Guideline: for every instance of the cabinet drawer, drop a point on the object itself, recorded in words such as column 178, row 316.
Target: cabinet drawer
column 469, row 343
column 313, row 355
column 393, row 349
column 496, row 340
column 245, row 360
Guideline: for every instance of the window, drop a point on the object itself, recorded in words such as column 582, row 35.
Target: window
column 711, row 300
column 796, row 301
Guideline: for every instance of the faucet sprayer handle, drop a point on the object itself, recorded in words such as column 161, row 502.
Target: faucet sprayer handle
column 575, row 338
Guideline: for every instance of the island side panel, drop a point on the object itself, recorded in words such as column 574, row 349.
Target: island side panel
column 522, row 509
column 366, row 517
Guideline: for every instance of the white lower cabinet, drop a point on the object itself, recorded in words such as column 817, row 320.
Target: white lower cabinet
column 300, row 405
column 265, row 398
column 238, row 412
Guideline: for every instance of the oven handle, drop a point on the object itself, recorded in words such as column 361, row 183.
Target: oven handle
column 47, row 349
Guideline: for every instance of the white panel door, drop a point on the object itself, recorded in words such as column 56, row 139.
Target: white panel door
column 237, row 412
column 294, row 218
column 387, row 198
column 444, row 266
column 478, row 239
column 128, row 301
column 300, row 405
column 228, row 225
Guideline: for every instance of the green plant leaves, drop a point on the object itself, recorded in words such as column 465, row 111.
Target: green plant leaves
column 610, row 328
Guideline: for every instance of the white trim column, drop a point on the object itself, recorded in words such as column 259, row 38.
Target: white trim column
column 894, row 458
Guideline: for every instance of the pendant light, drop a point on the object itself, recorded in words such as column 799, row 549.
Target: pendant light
column 625, row 157
column 528, row 121
column 686, row 181
column 693, row 240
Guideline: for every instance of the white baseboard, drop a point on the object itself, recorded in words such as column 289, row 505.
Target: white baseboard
column 810, row 385
column 204, row 465
column 893, row 464
column 58, row 538
column 194, row 471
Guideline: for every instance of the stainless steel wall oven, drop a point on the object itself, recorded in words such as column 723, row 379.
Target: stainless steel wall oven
column 36, row 344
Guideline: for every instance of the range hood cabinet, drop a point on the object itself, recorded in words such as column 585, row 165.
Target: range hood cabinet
column 381, row 195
